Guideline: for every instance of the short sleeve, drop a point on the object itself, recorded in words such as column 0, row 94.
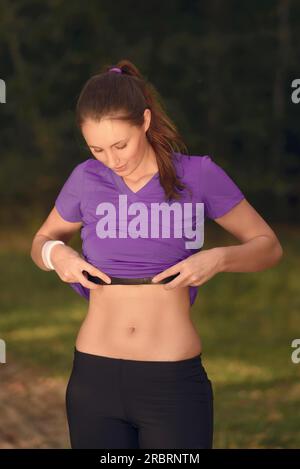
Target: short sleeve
column 219, row 192
column 69, row 198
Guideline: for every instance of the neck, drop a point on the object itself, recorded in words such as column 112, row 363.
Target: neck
column 148, row 163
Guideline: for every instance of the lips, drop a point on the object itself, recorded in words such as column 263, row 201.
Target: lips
column 120, row 168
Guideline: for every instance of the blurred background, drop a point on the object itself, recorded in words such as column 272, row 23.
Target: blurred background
column 224, row 70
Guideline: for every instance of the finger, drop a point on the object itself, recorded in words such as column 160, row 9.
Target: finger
column 96, row 272
column 88, row 283
column 164, row 274
column 175, row 283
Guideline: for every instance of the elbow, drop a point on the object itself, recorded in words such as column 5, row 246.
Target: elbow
column 34, row 249
column 277, row 253
column 32, row 255
column 280, row 249
column 280, row 255
column 273, row 254
column 31, row 251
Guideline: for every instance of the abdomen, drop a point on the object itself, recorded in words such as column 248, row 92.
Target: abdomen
column 142, row 322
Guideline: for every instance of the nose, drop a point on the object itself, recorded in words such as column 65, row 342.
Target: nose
column 113, row 163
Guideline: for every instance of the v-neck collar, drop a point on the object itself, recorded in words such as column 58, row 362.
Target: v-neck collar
column 125, row 189
column 118, row 180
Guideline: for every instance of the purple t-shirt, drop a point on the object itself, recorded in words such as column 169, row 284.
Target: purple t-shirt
column 139, row 234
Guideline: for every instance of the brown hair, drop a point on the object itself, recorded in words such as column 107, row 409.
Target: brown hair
column 109, row 93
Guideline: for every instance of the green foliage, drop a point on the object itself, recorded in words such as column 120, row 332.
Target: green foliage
column 223, row 69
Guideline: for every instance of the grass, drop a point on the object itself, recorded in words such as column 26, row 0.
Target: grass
column 246, row 322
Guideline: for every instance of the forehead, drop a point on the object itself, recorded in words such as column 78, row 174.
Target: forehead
column 107, row 131
column 106, row 126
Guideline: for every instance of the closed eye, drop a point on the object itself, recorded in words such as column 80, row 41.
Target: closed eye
column 118, row 148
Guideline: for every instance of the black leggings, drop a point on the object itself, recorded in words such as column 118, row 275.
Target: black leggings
column 119, row 403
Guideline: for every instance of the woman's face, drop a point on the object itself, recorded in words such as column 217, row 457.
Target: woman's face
column 116, row 143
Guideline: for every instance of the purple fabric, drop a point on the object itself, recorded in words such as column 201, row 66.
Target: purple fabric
column 91, row 195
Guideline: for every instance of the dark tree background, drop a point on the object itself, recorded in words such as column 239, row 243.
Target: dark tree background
column 223, row 68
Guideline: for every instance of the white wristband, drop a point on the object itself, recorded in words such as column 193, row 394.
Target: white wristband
column 46, row 250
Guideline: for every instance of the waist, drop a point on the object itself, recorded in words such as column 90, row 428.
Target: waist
column 128, row 321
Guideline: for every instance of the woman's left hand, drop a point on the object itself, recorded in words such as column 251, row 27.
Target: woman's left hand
column 194, row 270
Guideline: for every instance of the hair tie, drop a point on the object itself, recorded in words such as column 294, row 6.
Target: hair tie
column 115, row 69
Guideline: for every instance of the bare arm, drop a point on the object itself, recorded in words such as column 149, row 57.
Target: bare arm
column 54, row 227
column 36, row 250
column 68, row 263
column 257, row 254
column 260, row 248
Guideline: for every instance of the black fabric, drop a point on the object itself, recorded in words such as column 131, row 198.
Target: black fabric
column 128, row 281
column 119, row 403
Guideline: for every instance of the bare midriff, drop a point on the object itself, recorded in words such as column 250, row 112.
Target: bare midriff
column 139, row 322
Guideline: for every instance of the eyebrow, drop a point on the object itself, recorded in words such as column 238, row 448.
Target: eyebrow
column 94, row 146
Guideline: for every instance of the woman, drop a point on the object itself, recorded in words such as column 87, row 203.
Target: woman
column 138, row 380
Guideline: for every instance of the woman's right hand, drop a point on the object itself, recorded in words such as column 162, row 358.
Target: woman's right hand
column 69, row 264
